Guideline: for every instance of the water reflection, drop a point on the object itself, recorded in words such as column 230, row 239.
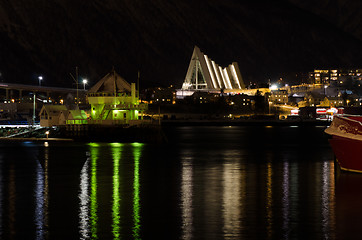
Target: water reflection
column 328, row 200
column 186, row 196
column 93, row 192
column 221, row 192
column 42, row 197
column 1, row 197
column 116, row 153
column 269, row 200
column 233, row 199
column 286, row 200
column 136, row 189
column 12, row 201
column 84, row 202
column 91, row 203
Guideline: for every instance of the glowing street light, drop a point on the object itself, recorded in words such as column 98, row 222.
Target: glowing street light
column 47, row 133
column 40, row 79
column 85, row 81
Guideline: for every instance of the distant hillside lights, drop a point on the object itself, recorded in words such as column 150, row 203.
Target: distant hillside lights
column 334, row 76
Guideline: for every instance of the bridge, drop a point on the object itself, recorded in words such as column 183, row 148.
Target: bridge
column 9, row 87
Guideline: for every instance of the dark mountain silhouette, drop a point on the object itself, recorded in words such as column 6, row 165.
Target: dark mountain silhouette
column 268, row 39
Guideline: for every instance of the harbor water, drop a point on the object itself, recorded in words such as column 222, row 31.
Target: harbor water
column 212, row 182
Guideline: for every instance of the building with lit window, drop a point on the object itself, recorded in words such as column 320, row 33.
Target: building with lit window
column 161, row 95
column 278, row 96
column 334, row 76
column 114, row 101
column 204, row 74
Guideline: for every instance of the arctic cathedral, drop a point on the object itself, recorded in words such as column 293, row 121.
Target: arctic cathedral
column 204, row 74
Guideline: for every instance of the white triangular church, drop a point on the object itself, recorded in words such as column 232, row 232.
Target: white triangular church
column 204, row 74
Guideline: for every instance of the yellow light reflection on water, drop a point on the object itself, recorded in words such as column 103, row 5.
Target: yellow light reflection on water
column 93, row 195
column 269, row 202
column 186, row 196
column 116, row 153
column 233, row 199
column 136, row 191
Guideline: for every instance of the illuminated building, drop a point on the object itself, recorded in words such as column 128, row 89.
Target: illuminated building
column 313, row 99
column 334, row 76
column 161, row 95
column 50, row 115
column 279, row 96
column 204, row 74
column 113, row 99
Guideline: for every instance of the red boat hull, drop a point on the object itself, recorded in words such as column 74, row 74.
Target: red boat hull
column 348, row 153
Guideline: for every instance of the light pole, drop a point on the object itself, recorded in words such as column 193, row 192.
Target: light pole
column 85, row 81
column 40, row 79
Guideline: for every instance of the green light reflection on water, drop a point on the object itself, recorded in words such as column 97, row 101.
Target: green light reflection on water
column 116, row 153
column 136, row 191
column 93, row 196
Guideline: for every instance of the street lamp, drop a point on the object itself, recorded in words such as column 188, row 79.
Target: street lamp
column 47, row 133
column 40, row 79
column 85, row 81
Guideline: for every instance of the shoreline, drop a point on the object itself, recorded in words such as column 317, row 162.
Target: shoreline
column 244, row 123
column 34, row 139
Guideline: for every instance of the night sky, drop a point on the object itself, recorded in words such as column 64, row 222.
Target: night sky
column 268, row 39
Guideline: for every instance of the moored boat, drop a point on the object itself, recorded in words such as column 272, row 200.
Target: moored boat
column 346, row 141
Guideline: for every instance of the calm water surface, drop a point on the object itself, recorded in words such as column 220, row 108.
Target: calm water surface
column 206, row 183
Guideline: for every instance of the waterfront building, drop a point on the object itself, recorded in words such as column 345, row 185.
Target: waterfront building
column 50, row 115
column 74, row 117
column 114, row 101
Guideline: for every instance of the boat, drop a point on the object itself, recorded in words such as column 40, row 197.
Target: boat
column 346, row 141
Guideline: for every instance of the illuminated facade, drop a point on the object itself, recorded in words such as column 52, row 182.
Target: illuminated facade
column 279, row 96
column 328, row 76
column 204, row 74
column 113, row 100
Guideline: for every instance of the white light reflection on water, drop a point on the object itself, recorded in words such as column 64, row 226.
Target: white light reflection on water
column 269, row 200
column 285, row 199
column 42, row 197
column 212, row 201
column 294, row 194
column 39, row 202
column 84, row 202
column 233, row 199
column 186, row 197
column 328, row 197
